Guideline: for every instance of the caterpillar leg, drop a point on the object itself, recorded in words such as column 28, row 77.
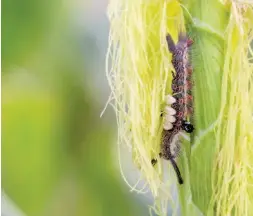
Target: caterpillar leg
column 173, row 74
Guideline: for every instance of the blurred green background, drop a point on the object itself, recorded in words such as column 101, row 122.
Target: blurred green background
column 58, row 156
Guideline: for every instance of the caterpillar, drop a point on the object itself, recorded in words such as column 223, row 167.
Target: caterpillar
column 180, row 101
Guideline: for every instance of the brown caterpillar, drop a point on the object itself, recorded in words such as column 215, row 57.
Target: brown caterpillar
column 181, row 91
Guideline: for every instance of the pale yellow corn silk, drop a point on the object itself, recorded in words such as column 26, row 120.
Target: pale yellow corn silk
column 139, row 74
column 232, row 178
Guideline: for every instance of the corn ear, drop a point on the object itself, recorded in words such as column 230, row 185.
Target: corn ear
column 217, row 164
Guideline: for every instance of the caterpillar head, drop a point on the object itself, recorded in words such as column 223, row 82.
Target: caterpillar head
column 187, row 127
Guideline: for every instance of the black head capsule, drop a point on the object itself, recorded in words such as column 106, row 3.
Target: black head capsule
column 187, row 127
